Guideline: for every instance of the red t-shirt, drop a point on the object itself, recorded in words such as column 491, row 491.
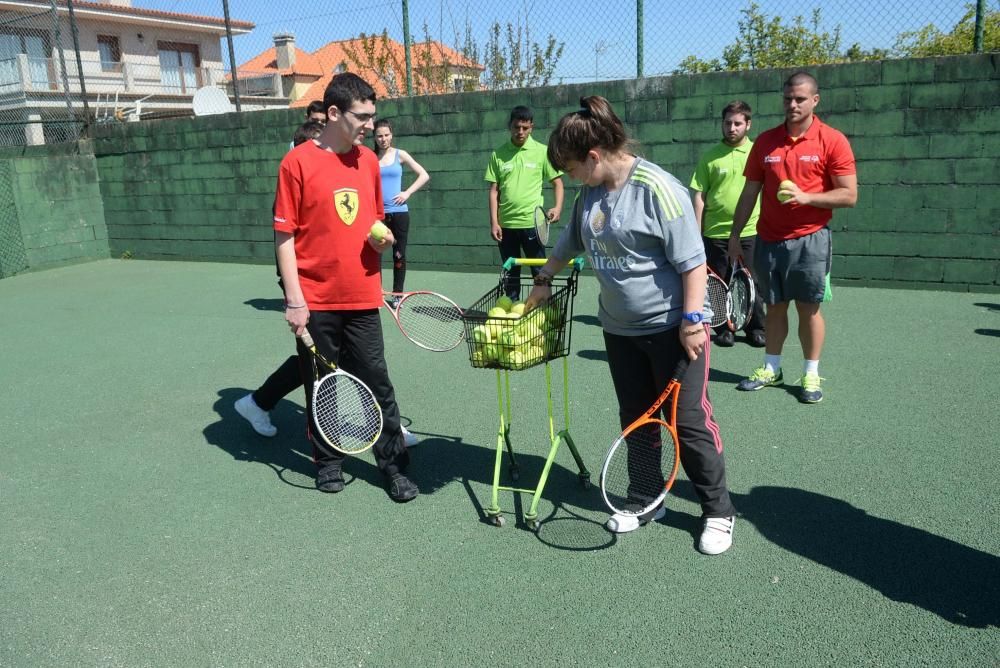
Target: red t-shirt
column 810, row 161
column 329, row 202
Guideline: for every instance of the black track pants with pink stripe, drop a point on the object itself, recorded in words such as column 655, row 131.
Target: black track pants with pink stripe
column 641, row 367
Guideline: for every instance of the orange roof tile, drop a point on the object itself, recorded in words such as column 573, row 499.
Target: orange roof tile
column 336, row 53
column 305, row 64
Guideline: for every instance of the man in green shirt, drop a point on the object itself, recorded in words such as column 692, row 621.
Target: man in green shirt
column 717, row 183
column 516, row 172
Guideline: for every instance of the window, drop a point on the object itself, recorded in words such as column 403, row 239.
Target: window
column 111, row 53
column 179, row 67
column 32, row 44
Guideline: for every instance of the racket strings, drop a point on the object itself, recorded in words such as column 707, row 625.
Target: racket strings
column 431, row 321
column 718, row 299
column 742, row 301
column 636, row 473
column 542, row 226
column 346, row 414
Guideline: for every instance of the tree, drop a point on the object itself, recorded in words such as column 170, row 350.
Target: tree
column 929, row 41
column 383, row 58
column 514, row 60
column 764, row 41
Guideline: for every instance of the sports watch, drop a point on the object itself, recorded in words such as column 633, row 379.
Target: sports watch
column 694, row 317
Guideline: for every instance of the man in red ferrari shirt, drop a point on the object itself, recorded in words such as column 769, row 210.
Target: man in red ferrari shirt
column 329, row 195
column 805, row 169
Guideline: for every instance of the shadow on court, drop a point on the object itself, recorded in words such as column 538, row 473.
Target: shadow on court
column 451, row 460
column 288, row 454
column 905, row 564
column 266, row 304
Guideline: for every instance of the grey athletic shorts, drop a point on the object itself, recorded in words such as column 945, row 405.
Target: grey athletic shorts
column 795, row 269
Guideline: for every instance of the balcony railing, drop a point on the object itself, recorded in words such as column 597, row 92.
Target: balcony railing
column 23, row 74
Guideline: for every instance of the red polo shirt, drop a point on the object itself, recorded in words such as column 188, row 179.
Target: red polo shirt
column 329, row 202
column 811, row 161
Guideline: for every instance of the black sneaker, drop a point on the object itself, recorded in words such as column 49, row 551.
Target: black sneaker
column 330, row 479
column 757, row 338
column 402, row 489
column 725, row 338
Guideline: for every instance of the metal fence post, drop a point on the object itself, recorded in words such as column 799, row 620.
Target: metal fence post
column 977, row 40
column 232, row 56
column 406, row 48
column 638, row 39
column 79, row 65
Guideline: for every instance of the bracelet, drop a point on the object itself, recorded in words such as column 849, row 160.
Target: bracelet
column 295, row 305
column 543, row 280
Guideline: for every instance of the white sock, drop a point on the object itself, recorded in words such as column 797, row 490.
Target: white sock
column 772, row 363
column 810, row 366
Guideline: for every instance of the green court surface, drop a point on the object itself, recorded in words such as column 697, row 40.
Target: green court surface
column 144, row 524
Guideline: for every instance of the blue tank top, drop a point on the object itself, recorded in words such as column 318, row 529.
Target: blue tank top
column 392, row 185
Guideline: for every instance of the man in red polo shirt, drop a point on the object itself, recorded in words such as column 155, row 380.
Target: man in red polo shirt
column 805, row 169
column 329, row 195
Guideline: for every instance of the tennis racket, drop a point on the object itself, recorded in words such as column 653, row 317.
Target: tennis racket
column 742, row 294
column 542, row 224
column 641, row 465
column 429, row 320
column 719, row 299
column 346, row 416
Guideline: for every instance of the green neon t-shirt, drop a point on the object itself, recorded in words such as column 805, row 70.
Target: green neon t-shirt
column 719, row 177
column 519, row 173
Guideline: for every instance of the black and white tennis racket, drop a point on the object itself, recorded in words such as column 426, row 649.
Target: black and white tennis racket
column 429, row 320
column 542, row 224
column 346, row 416
column 742, row 294
column 719, row 299
column 641, row 465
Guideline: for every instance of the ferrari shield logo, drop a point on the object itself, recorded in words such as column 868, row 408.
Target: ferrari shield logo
column 346, row 200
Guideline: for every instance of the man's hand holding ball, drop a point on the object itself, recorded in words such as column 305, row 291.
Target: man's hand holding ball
column 380, row 237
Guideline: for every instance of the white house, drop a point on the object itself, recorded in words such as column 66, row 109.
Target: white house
column 137, row 63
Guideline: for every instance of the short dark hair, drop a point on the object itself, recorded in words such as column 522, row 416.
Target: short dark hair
column 306, row 131
column 315, row 107
column 737, row 107
column 800, row 78
column 521, row 113
column 345, row 89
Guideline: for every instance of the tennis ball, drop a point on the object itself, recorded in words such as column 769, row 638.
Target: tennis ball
column 481, row 334
column 529, row 331
column 515, row 358
column 534, row 353
column 491, row 353
column 505, row 303
column 784, row 185
column 553, row 315
column 518, row 308
column 496, row 312
column 495, row 326
column 378, row 231
column 479, row 357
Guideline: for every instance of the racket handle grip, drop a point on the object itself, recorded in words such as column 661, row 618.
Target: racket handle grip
column 307, row 339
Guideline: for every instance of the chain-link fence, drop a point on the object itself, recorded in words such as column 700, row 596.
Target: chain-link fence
column 65, row 64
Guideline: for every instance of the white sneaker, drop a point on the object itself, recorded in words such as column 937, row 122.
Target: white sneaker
column 716, row 536
column 409, row 440
column 256, row 416
column 624, row 523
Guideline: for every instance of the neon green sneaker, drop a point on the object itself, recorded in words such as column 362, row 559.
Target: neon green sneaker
column 811, row 392
column 759, row 379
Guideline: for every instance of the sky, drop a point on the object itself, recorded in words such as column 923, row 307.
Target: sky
column 599, row 35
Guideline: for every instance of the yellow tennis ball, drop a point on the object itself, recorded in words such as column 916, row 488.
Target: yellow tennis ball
column 497, row 312
column 518, row 308
column 534, row 353
column 378, row 231
column 504, row 302
column 481, row 334
column 784, row 185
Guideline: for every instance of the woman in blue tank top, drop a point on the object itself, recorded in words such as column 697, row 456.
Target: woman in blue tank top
column 397, row 215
